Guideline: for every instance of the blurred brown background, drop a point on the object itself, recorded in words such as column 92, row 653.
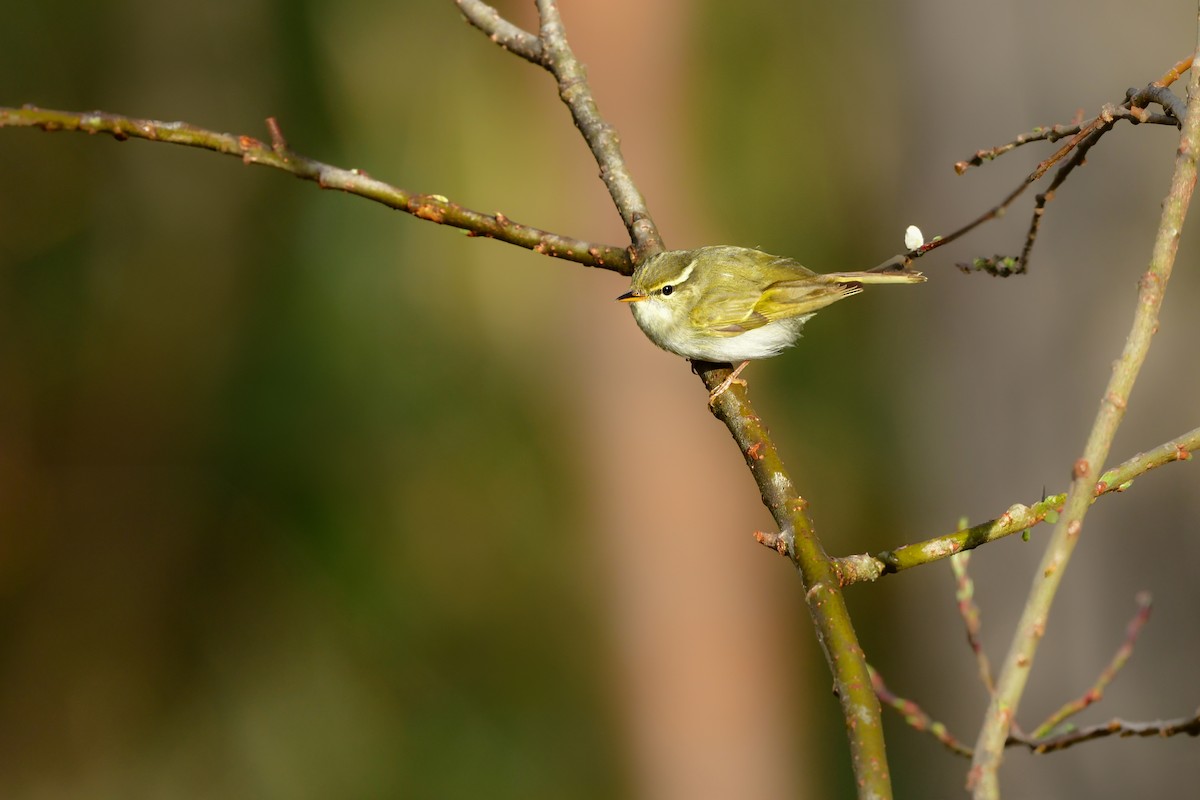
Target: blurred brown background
column 302, row 498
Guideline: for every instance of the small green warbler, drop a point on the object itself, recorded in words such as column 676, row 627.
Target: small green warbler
column 735, row 304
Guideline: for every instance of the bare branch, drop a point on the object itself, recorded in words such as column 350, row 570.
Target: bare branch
column 501, row 31
column 277, row 155
column 1132, row 109
column 1010, row 683
column 1082, row 138
column 964, row 595
column 823, row 589
column 1176, row 71
column 1052, row 133
column 1096, row 692
column 916, row 718
column 574, row 90
column 1118, row 727
column 1018, row 518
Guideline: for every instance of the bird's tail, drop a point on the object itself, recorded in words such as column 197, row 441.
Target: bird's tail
column 895, row 276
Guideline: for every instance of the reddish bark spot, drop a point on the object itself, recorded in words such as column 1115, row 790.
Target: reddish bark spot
column 1081, row 467
column 429, row 212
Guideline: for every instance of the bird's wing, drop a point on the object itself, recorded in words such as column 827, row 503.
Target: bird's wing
column 788, row 299
column 742, row 304
column 728, row 311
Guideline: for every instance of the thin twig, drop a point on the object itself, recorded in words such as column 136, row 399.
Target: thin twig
column 1082, row 138
column 1135, row 100
column 1096, row 692
column 551, row 51
column 1014, row 673
column 1118, row 727
column 501, row 31
column 919, row 720
column 964, row 595
column 1018, row 518
column 1077, row 159
column 916, row 718
column 277, row 155
column 1052, row 133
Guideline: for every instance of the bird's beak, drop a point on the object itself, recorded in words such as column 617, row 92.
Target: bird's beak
column 632, row 296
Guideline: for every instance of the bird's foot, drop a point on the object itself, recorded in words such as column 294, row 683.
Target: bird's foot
column 725, row 384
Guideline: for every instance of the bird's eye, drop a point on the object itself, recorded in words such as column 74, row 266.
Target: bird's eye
column 666, row 290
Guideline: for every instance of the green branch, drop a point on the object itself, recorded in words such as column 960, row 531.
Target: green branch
column 822, row 586
column 1018, row 518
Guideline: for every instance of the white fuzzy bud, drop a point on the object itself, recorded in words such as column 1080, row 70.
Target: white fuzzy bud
column 913, row 238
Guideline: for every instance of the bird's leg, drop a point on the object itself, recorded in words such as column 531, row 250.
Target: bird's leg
column 725, row 384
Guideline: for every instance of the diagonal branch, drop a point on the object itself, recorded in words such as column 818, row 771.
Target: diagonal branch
column 1018, row 518
column 600, row 136
column 860, row 706
column 1010, row 684
column 822, row 586
column 550, row 50
column 917, row 718
column 278, row 155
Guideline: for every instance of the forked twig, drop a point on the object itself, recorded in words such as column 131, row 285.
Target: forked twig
column 1096, row 692
column 1045, row 739
column 1082, row 137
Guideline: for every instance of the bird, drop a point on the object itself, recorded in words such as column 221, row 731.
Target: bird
column 724, row 303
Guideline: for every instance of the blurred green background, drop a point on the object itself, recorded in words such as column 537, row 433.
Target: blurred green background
column 303, row 498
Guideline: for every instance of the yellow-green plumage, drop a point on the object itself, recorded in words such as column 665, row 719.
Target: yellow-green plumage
column 724, row 303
